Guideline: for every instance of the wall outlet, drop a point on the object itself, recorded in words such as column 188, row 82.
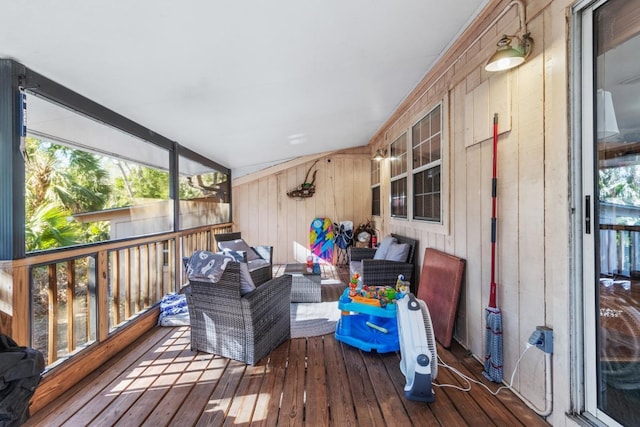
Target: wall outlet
column 545, row 340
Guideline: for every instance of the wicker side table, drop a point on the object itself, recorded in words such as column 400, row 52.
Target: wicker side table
column 305, row 286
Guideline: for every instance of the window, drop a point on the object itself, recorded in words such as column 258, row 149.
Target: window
column 205, row 193
column 88, row 182
column 427, row 158
column 398, row 161
column 375, row 188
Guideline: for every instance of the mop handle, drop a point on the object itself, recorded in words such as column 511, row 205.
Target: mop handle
column 494, row 192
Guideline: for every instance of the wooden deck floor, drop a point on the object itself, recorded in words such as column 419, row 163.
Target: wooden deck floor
column 313, row 381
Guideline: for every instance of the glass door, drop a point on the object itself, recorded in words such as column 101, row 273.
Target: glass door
column 611, row 86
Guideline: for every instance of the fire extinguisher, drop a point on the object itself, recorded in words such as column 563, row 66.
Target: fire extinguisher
column 374, row 241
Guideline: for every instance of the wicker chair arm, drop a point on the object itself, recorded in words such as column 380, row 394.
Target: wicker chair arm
column 358, row 254
column 267, row 317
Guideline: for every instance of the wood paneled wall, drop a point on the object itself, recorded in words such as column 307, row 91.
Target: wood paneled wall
column 532, row 229
column 264, row 213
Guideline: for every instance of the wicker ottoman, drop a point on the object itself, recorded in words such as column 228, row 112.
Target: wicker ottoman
column 305, row 286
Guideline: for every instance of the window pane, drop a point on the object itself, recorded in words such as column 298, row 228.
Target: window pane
column 427, row 152
column 426, row 139
column 375, row 172
column 426, row 199
column 415, row 136
column 204, row 194
column 399, row 156
column 375, row 201
column 73, row 197
column 617, row 160
column 88, row 182
column 399, row 198
column 425, row 131
column 434, row 144
column 435, row 121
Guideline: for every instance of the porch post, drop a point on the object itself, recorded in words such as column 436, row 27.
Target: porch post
column 14, row 286
column 12, row 170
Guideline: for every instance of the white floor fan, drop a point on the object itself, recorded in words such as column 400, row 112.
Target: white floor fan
column 419, row 357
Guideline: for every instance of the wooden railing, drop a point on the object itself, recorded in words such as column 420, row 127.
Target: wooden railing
column 81, row 306
column 81, row 296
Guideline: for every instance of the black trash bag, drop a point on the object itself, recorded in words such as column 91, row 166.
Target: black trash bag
column 20, row 373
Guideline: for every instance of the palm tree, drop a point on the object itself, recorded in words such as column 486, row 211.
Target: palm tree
column 48, row 227
column 60, row 182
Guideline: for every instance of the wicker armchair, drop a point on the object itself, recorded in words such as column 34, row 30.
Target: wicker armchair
column 382, row 271
column 244, row 328
column 259, row 258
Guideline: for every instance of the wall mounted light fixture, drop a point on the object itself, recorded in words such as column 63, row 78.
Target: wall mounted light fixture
column 380, row 154
column 508, row 56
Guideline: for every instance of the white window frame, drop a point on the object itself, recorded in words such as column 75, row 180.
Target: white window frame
column 584, row 363
column 429, row 226
column 376, row 171
column 403, row 175
column 422, row 168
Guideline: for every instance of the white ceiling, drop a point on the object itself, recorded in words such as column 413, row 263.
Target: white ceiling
column 245, row 83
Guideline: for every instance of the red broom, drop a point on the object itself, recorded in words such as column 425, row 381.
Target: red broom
column 493, row 339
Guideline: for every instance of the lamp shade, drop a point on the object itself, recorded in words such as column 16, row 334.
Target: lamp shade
column 507, row 56
column 504, row 60
column 607, row 125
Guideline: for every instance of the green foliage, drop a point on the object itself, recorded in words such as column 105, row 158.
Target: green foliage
column 48, row 227
column 137, row 182
column 60, row 182
column 620, row 185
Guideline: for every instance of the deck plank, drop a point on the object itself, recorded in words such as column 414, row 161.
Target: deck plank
column 341, row 405
column 268, row 405
column 509, row 401
column 421, row 413
column 246, row 397
column 78, row 396
column 389, row 401
column 470, row 411
column 104, row 397
column 198, row 396
column 366, row 405
column 314, row 381
column 316, row 408
column 143, row 381
column 292, row 407
column 176, row 395
column 218, row 405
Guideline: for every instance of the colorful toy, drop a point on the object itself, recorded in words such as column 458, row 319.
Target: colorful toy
column 353, row 285
column 378, row 296
column 402, row 287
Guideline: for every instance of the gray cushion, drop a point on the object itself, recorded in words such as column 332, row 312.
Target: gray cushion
column 246, row 282
column 383, row 249
column 206, row 266
column 398, row 252
column 239, row 245
column 237, row 255
column 258, row 263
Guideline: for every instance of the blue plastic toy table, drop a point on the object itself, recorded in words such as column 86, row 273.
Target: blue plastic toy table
column 367, row 327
